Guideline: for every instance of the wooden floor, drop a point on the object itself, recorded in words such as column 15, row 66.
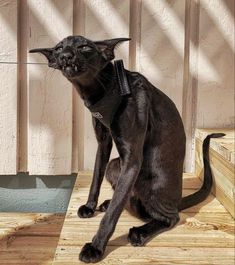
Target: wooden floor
column 29, row 238
column 204, row 235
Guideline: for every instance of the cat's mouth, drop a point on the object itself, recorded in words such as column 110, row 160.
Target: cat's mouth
column 71, row 70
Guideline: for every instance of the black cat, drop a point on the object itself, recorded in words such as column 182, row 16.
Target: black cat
column 149, row 135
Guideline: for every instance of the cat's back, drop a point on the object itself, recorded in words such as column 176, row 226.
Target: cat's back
column 159, row 102
column 164, row 118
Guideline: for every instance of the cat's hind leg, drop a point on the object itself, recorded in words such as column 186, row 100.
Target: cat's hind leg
column 138, row 236
column 104, row 206
column 111, row 174
column 112, row 171
column 133, row 204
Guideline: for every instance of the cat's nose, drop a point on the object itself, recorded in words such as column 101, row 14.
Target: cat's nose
column 67, row 56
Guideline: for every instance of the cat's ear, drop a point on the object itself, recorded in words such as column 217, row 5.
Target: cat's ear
column 48, row 53
column 108, row 46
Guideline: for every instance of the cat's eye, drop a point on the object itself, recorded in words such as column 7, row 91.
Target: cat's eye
column 59, row 49
column 85, row 48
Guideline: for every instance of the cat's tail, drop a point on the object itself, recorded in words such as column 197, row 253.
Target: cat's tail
column 204, row 191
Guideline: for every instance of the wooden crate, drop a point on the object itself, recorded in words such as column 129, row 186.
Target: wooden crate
column 222, row 164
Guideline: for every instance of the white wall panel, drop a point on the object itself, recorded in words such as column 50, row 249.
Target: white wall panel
column 216, row 79
column 50, row 94
column 184, row 47
column 161, row 55
column 8, row 87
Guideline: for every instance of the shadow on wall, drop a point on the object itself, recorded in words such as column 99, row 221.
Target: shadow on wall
column 159, row 49
column 27, row 193
column 50, row 103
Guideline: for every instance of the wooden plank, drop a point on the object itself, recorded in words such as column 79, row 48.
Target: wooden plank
column 50, row 122
column 222, row 168
column 50, row 94
column 8, row 87
column 104, row 19
column 203, row 233
column 224, row 146
column 78, row 105
column 189, row 103
column 29, row 238
column 130, row 255
column 22, row 87
column 135, row 34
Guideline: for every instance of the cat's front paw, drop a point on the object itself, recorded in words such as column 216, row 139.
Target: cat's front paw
column 136, row 237
column 85, row 212
column 90, row 254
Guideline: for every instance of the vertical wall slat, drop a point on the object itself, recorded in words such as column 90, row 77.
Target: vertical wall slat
column 8, row 86
column 104, row 19
column 78, row 105
column 49, row 93
column 135, row 34
column 22, row 87
column 189, row 104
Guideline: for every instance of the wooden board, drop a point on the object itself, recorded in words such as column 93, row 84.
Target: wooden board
column 49, row 93
column 50, row 122
column 225, row 146
column 204, row 234
column 29, row 238
column 8, row 87
column 189, row 101
column 222, row 164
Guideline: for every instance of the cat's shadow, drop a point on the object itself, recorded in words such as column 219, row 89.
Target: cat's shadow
column 114, row 244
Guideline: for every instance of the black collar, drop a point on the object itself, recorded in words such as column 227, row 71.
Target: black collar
column 105, row 109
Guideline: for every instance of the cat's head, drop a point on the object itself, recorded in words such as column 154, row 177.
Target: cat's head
column 76, row 55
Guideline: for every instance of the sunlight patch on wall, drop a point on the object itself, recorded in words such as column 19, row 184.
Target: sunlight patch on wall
column 222, row 18
column 165, row 17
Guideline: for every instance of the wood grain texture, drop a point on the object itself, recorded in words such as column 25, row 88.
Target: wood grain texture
column 22, row 87
column 221, row 152
column 8, row 87
column 135, row 34
column 104, row 19
column 189, row 102
column 49, row 93
column 29, row 238
column 78, row 104
column 223, row 146
column 204, row 234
